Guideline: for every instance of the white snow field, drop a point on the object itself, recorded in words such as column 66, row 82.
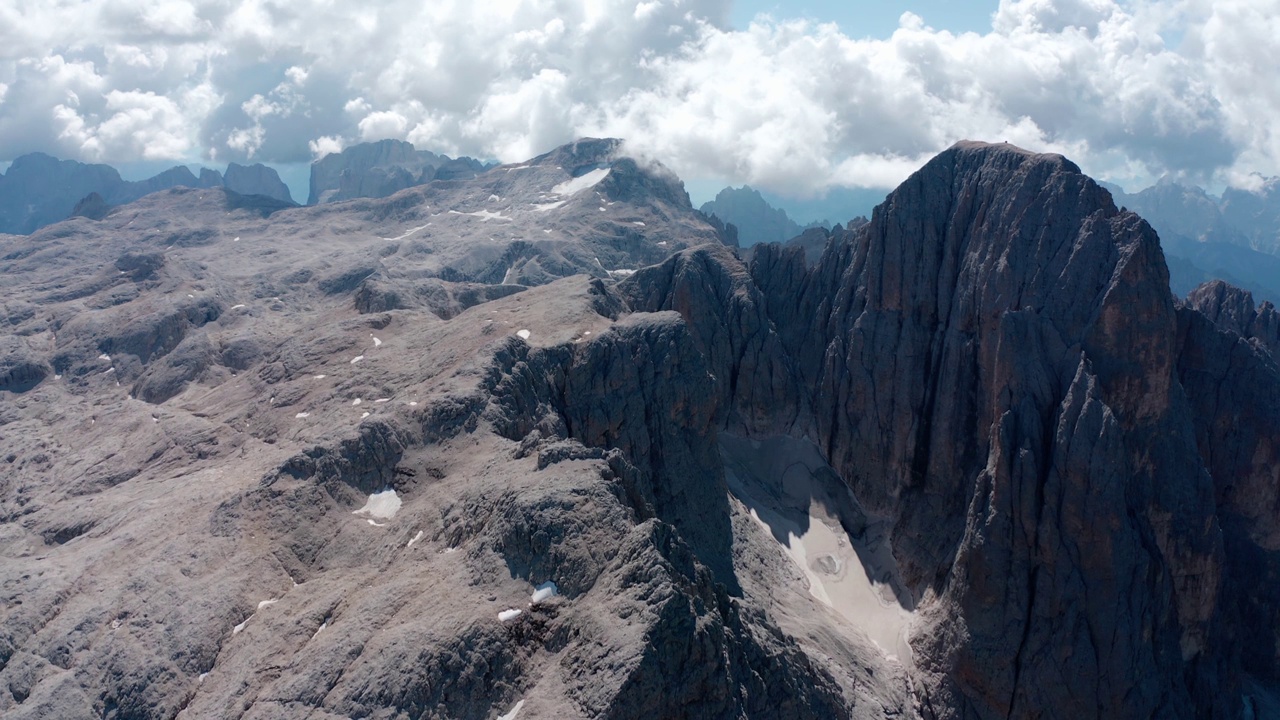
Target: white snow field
column 380, row 505
column 795, row 497
column 582, row 182
column 514, row 711
column 544, row 592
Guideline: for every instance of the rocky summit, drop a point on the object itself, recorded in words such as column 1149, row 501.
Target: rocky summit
column 537, row 443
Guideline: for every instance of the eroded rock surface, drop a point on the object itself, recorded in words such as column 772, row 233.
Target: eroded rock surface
column 275, row 462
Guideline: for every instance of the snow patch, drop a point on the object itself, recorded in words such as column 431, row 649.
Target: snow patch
column 514, row 711
column 364, row 416
column 545, row 591
column 320, row 629
column 582, row 182
column 302, row 415
column 382, row 400
column 407, row 233
column 494, row 198
column 381, row 505
column 621, row 272
column 356, row 359
column 105, row 356
column 524, row 334
column 510, row 614
column 545, row 207
column 484, row 215
column 320, row 377
column 356, row 402
column 791, row 493
column 377, row 342
column 267, row 603
column 414, row 539
column 638, row 224
column 236, row 307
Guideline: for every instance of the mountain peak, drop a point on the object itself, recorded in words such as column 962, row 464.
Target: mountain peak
column 1004, row 152
column 757, row 221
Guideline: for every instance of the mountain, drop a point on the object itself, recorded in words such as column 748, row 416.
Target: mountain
column 1184, row 210
column 757, row 221
column 256, row 179
column 39, row 190
column 538, row 443
column 1248, row 269
column 1256, row 214
column 379, row 169
column 835, row 205
column 1212, row 239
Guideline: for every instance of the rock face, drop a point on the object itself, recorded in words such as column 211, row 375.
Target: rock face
column 757, row 221
column 380, row 169
column 974, row 348
column 39, row 190
column 547, row 446
column 256, row 179
column 994, row 333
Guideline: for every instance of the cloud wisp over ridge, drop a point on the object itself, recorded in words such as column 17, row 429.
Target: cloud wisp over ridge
column 1131, row 90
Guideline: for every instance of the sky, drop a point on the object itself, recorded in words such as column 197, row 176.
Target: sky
column 792, row 98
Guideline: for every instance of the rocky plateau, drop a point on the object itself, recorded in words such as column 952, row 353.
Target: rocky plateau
column 534, row 441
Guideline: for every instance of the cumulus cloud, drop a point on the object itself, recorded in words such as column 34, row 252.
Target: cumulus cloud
column 1132, row 90
column 325, row 145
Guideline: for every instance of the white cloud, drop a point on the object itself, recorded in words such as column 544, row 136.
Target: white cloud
column 172, row 17
column 325, row 145
column 382, row 125
column 1131, row 90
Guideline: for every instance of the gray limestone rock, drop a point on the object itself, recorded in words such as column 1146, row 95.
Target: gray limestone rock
column 535, row 442
column 256, row 179
column 1232, row 309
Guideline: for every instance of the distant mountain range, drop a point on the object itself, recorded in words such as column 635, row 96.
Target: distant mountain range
column 757, row 221
column 763, row 217
column 1235, row 238
column 383, row 168
column 40, row 190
